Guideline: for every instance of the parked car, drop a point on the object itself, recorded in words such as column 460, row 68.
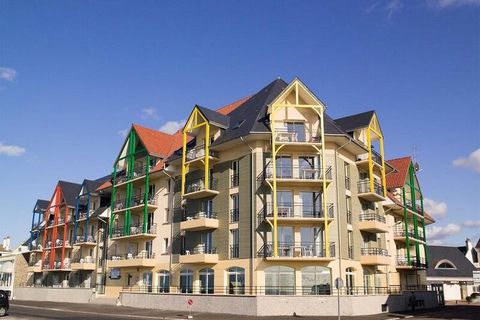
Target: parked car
column 3, row 303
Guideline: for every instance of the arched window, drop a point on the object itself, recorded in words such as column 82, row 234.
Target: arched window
column 316, row 280
column 445, row 264
column 350, row 283
column 207, row 283
column 163, row 277
column 279, row 280
column 236, row 280
column 186, row 281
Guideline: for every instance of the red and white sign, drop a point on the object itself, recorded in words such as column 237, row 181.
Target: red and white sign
column 190, row 302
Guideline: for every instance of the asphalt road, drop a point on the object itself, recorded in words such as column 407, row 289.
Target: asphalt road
column 21, row 310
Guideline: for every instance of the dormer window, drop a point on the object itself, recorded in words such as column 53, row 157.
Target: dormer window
column 445, row 265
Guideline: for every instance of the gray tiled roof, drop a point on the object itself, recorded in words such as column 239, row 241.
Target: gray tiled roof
column 70, row 191
column 437, row 253
column 360, row 120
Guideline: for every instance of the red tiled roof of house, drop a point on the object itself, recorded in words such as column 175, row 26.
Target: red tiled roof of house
column 156, row 142
column 232, row 106
column 107, row 184
column 397, row 178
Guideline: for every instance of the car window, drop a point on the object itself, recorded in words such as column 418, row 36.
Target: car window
column 2, row 295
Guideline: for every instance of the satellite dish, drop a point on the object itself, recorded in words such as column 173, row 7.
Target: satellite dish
column 416, row 167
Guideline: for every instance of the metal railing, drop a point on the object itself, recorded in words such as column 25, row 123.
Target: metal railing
column 198, row 152
column 299, row 210
column 199, row 249
column 350, row 252
column 234, row 180
column 376, row 157
column 416, row 208
column 374, row 252
column 86, row 259
column 135, row 229
column 138, row 171
column 83, row 239
column 298, row 250
column 291, row 136
column 364, row 187
column 200, row 215
column 401, row 232
column 297, row 172
column 199, row 185
column 349, row 217
column 234, row 215
column 134, row 201
column 131, row 255
column 414, row 262
column 234, row 251
column 347, row 183
column 372, row 217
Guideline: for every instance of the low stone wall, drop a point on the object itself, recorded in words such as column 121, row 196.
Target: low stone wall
column 278, row 305
column 75, row 295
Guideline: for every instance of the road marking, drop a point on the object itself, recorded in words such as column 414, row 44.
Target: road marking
column 95, row 313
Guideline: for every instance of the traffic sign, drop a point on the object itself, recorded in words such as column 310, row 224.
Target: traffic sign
column 338, row 283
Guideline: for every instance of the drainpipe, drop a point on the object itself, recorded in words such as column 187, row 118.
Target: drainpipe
column 338, row 224
column 252, row 232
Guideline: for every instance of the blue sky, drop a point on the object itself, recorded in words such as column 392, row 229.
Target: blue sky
column 75, row 75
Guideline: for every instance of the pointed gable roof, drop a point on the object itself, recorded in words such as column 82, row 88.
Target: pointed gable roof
column 214, row 117
column 41, row 205
column 356, row 121
column 70, row 191
column 397, row 178
column 156, row 142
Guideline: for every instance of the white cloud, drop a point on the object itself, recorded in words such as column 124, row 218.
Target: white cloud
column 472, row 161
column 472, row 223
column 149, row 113
column 8, row 74
column 434, row 208
column 438, row 233
column 123, row 132
column 452, row 3
column 393, row 6
column 172, row 126
column 13, row 151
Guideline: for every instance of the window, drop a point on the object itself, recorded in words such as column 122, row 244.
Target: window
column 235, row 244
column 234, row 212
column 163, row 278
column 235, row 178
column 445, row 264
column 348, row 205
column 350, row 244
column 311, row 204
column 236, row 280
column 346, row 171
column 207, row 207
column 298, row 129
column 284, row 204
column 284, row 167
column 350, row 283
column 186, row 281
column 166, row 217
column 165, row 245
column 316, row 280
column 279, row 280
column 207, row 281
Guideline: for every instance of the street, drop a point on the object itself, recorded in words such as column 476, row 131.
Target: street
column 53, row 310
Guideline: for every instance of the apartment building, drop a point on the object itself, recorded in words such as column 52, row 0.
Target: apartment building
column 266, row 196
column 140, row 220
column 276, row 197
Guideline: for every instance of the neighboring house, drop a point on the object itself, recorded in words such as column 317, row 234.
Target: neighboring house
column 451, row 271
column 470, row 252
column 13, row 267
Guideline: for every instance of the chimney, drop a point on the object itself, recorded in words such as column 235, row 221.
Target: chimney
column 468, row 244
column 6, row 243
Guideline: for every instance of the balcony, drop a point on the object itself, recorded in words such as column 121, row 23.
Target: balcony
column 371, row 195
column 57, row 266
column 136, row 232
column 234, row 215
column 416, row 209
column 374, row 256
column 35, row 266
column 400, row 234
column 298, row 138
column 362, row 161
column 200, row 254
column 298, row 213
column 298, row 175
column 372, row 222
column 196, row 156
column 83, row 263
column 82, row 215
column 132, row 259
column 403, row 263
column 198, row 190
column 85, row 241
column 135, row 203
column 200, row 221
column 234, row 180
column 139, row 171
column 298, row 251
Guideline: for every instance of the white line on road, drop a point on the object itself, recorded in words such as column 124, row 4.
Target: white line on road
column 95, row 313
